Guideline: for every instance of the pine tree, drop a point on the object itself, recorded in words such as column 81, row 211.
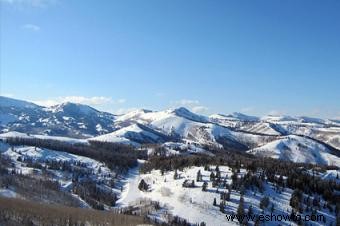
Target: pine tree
column 204, row 186
column 143, row 186
column 250, row 210
column 222, row 206
column 199, row 176
column 240, row 209
column 175, row 175
column 214, row 202
column 212, row 176
column 264, row 202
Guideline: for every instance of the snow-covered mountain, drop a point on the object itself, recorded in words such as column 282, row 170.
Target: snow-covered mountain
column 238, row 132
column 212, row 176
column 297, row 149
column 134, row 134
column 67, row 119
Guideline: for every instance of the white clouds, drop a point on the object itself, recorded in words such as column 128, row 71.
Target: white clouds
column 31, row 27
column 11, row 95
column 121, row 111
column 30, row 3
column 199, row 109
column 275, row 113
column 193, row 105
column 96, row 101
column 185, row 102
column 121, row 101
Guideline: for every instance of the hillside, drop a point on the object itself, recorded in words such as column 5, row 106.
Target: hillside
column 234, row 132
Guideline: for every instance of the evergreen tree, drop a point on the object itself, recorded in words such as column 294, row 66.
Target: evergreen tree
column 212, row 176
column 264, row 202
column 240, row 209
column 206, row 167
column 222, row 206
column 250, row 210
column 272, row 208
column 204, row 186
column 143, row 186
column 176, row 175
column 199, row 176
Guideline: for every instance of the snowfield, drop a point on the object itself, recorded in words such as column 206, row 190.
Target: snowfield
column 42, row 154
column 14, row 134
column 297, row 149
column 196, row 205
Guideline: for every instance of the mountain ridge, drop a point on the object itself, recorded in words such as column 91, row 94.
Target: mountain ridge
column 236, row 131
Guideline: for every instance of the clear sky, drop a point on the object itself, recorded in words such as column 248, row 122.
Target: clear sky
column 256, row 57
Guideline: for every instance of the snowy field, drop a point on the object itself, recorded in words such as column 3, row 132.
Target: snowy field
column 196, row 205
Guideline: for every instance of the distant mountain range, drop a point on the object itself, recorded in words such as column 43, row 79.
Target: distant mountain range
column 299, row 139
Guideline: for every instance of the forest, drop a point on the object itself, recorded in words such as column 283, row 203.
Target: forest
column 116, row 156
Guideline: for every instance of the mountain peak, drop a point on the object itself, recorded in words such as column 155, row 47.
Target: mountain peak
column 185, row 113
column 278, row 118
column 181, row 110
column 74, row 108
column 235, row 116
column 244, row 117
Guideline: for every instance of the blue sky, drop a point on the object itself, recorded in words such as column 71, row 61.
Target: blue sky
column 256, row 57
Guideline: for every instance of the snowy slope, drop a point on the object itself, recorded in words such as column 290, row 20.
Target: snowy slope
column 278, row 118
column 14, row 134
column 134, row 134
column 18, row 104
column 196, row 205
column 67, row 119
column 235, row 131
column 261, row 128
column 233, row 120
column 297, row 149
column 176, row 124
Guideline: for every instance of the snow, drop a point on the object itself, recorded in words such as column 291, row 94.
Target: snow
column 235, row 116
column 132, row 135
column 130, row 193
column 185, row 113
column 14, row 134
column 7, row 193
column 10, row 102
column 196, row 205
column 134, row 130
column 179, row 200
column 84, row 109
column 331, row 175
column 174, row 148
column 278, row 118
column 114, row 139
column 297, row 149
column 261, row 128
column 47, row 154
column 306, row 119
column 99, row 128
column 133, row 115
